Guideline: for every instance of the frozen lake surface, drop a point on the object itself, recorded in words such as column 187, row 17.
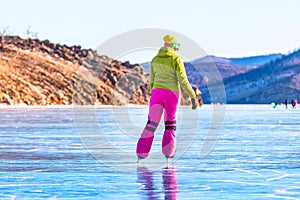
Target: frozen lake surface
column 224, row 152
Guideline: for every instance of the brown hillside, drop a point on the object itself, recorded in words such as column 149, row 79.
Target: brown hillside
column 37, row 72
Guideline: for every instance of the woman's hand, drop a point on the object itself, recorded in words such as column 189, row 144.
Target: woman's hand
column 200, row 101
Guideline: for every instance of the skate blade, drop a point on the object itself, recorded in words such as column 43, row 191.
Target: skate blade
column 139, row 160
column 169, row 163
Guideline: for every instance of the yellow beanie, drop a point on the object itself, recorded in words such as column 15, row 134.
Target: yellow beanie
column 169, row 39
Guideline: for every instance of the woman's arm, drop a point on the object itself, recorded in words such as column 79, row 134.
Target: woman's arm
column 182, row 78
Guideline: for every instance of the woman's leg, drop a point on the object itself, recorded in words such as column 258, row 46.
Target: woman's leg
column 155, row 111
column 171, row 104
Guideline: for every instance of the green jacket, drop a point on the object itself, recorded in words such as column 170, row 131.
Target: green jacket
column 167, row 71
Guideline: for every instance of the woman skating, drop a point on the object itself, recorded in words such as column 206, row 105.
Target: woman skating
column 167, row 74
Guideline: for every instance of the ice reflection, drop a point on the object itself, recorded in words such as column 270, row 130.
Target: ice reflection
column 151, row 191
column 170, row 183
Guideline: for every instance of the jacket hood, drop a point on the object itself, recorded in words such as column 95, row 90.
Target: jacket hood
column 166, row 52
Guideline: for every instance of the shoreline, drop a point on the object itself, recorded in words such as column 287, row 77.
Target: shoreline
column 130, row 106
column 70, row 106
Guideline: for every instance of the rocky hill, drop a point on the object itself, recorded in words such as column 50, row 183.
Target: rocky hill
column 35, row 72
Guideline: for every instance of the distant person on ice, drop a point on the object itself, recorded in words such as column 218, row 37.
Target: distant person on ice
column 294, row 103
column 167, row 74
column 286, row 103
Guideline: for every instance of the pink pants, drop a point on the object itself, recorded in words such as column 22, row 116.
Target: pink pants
column 161, row 99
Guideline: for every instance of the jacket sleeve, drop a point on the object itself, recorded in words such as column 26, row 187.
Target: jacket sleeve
column 182, row 78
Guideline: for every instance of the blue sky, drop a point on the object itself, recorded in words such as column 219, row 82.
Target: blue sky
column 228, row 28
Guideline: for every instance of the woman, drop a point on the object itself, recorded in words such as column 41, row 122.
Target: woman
column 167, row 74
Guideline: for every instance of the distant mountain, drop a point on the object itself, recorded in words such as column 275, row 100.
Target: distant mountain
column 243, row 61
column 273, row 82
